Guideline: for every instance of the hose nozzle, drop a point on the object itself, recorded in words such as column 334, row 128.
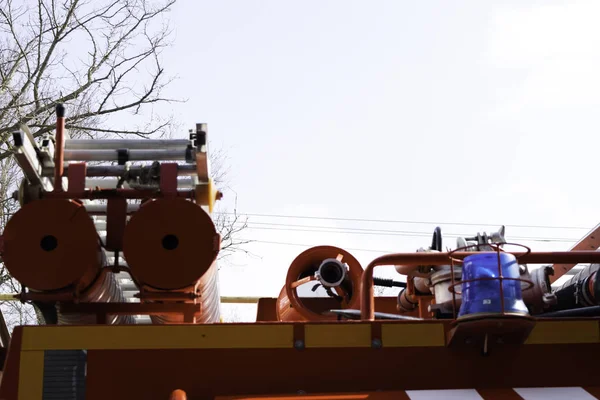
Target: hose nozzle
column 331, row 272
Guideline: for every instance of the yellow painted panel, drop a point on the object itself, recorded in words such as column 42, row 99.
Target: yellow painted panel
column 555, row 332
column 338, row 335
column 158, row 337
column 412, row 335
column 31, row 375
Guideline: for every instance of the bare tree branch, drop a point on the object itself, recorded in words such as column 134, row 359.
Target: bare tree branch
column 104, row 46
column 229, row 225
column 101, row 58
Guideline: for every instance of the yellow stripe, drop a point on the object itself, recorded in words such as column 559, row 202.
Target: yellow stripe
column 338, row 335
column 31, row 375
column 412, row 335
column 158, row 337
column 555, row 332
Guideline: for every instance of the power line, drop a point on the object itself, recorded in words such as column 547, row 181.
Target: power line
column 385, row 232
column 313, row 245
column 362, row 231
column 401, row 234
column 399, row 221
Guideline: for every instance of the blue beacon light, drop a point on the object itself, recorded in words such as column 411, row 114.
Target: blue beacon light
column 482, row 297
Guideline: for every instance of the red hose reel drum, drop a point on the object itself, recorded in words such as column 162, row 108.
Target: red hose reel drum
column 52, row 245
column 171, row 247
column 169, row 244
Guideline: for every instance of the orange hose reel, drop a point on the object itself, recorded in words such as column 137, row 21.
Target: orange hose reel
column 171, row 246
column 320, row 264
column 52, row 245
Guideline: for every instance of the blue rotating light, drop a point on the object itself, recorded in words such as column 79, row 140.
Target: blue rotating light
column 482, row 297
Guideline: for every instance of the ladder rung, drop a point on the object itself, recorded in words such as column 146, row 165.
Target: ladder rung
column 114, row 144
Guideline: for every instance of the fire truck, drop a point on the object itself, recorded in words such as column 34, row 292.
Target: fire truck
column 115, row 248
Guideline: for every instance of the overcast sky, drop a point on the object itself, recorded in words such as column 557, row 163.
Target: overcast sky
column 437, row 112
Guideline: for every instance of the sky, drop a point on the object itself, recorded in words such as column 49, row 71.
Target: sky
column 435, row 112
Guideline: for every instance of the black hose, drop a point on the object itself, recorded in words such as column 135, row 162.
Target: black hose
column 355, row 314
column 593, row 311
column 436, row 242
column 576, row 292
column 388, row 282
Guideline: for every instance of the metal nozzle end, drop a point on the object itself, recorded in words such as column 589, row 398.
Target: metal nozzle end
column 60, row 110
column 331, row 272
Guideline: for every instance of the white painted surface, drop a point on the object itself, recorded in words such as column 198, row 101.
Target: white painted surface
column 455, row 394
column 566, row 393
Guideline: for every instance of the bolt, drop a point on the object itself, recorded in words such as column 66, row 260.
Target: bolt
column 299, row 344
column 468, row 341
column 500, row 340
column 376, row 343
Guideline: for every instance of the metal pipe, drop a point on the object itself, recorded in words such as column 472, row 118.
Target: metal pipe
column 133, row 289
column 411, row 270
column 131, row 144
column 131, row 194
column 415, row 259
column 60, row 144
column 100, row 209
column 132, row 171
column 119, row 170
column 101, row 219
column 239, row 300
column 132, row 155
column 111, row 183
